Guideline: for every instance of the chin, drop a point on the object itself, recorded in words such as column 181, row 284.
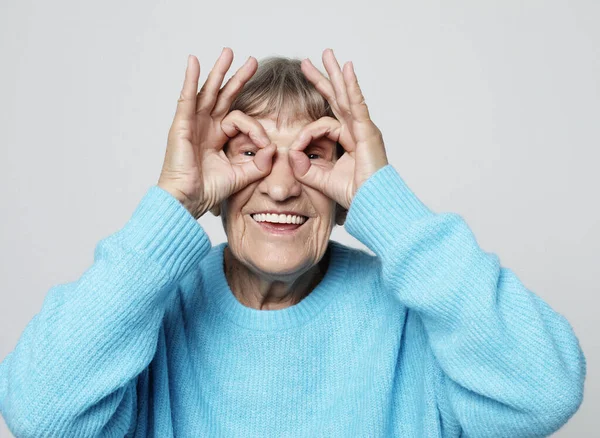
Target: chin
column 280, row 262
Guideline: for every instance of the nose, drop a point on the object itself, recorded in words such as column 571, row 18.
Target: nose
column 281, row 183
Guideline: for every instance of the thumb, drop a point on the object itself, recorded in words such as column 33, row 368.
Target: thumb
column 253, row 170
column 263, row 160
column 313, row 176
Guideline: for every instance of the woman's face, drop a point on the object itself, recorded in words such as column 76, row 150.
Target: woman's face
column 275, row 246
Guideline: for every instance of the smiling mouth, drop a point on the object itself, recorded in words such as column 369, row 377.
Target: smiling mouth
column 279, row 223
column 273, row 218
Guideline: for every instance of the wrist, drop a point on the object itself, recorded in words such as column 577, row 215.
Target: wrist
column 190, row 206
column 382, row 209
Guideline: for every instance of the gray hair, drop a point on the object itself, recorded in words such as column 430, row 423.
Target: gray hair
column 280, row 88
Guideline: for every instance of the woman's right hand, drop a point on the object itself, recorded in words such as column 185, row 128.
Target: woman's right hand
column 196, row 170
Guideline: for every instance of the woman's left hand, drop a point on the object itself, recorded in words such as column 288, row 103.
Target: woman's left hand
column 353, row 129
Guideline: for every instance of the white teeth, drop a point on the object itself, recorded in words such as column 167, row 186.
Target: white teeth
column 279, row 218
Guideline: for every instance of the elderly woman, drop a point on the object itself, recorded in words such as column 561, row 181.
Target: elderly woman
column 280, row 331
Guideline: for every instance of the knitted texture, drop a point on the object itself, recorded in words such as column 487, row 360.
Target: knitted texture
column 431, row 337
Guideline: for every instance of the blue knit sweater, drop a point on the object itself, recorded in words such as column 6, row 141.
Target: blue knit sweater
column 430, row 338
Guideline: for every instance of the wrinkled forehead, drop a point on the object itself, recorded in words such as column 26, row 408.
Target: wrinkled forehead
column 287, row 129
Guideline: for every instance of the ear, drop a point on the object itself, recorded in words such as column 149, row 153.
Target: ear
column 340, row 214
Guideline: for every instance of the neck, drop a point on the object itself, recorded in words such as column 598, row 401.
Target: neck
column 266, row 293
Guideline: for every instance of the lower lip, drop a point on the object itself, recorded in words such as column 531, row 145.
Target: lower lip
column 278, row 228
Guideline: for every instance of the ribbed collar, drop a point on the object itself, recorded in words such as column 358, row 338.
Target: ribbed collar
column 220, row 294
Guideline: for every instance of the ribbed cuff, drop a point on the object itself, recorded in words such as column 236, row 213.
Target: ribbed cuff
column 382, row 208
column 163, row 230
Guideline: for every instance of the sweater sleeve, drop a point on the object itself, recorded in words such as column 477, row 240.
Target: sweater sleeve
column 511, row 365
column 74, row 368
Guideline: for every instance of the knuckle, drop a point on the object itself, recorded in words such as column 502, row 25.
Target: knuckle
column 226, row 126
column 229, row 117
column 225, row 94
column 255, row 136
column 330, row 120
column 235, row 84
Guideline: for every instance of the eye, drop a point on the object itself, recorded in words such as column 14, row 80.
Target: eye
column 248, row 153
column 313, row 156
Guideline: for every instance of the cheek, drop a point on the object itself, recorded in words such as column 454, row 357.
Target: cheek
column 324, row 222
column 324, row 206
column 232, row 210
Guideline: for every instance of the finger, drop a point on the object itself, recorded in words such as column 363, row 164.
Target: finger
column 186, row 104
column 327, row 127
column 314, row 176
column 237, row 121
column 233, row 86
column 337, row 80
column 250, row 171
column 304, row 171
column 358, row 106
column 321, row 83
column 209, row 91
